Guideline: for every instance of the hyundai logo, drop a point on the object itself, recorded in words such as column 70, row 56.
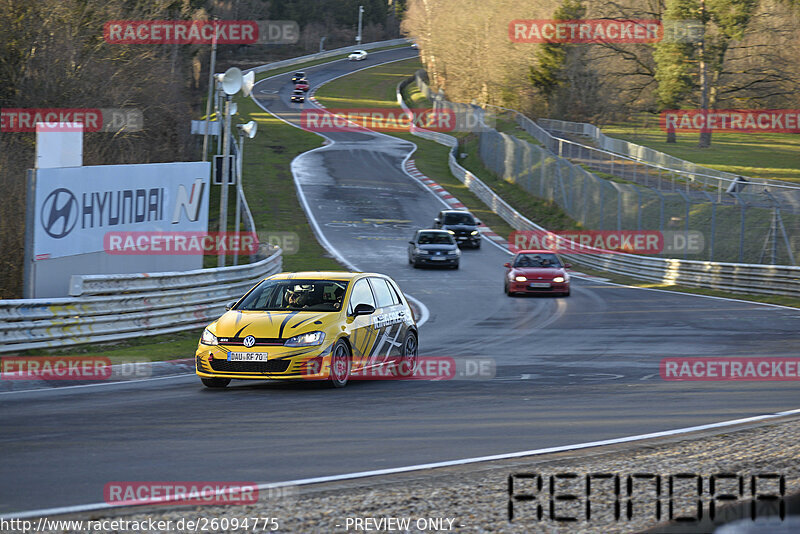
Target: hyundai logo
column 59, row 213
column 249, row 341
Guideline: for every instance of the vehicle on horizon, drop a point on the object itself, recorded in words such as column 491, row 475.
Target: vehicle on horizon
column 298, row 96
column 299, row 75
column 358, row 55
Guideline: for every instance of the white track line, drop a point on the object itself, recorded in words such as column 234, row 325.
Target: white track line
column 433, row 465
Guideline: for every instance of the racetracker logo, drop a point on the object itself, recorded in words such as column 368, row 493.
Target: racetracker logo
column 377, row 119
column 425, row 368
column 71, row 120
column 55, row 368
column 194, row 493
column 585, row 31
column 730, row 369
column 181, row 243
column 731, row 120
column 201, row 31
column 607, row 241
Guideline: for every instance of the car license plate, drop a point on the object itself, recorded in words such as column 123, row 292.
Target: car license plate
column 247, row 357
column 439, row 258
column 539, row 284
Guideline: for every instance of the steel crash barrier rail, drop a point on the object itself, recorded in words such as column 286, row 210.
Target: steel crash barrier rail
column 105, row 308
column 116, row 307
column 735, row 277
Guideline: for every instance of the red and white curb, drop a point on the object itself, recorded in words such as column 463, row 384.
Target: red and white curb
column 411, row 168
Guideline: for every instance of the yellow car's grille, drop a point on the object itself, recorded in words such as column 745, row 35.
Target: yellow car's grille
column 270, row 366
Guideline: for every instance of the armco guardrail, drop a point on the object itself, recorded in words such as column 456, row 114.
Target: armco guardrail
column 115, row 307
column 647, row 155
column 736, row 277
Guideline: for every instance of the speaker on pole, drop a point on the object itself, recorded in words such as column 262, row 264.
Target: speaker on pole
column 248, row 81
column 249, row 129
column 231, row 81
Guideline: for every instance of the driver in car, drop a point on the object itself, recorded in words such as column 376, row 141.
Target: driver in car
column 297, row 299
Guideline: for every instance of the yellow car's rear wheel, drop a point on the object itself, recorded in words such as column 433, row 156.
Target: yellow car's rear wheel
column 341, row 363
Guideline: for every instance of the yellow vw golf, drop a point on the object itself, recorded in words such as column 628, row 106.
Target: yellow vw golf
column 311, row 325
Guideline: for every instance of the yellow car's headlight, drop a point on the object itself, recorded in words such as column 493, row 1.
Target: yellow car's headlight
column 308, row 339
column 208, row 338
column 558, row 279
column 520, row 278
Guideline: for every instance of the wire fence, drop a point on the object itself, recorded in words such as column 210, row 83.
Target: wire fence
column 606, row 191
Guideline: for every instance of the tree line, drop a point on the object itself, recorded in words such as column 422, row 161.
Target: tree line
column 740, row 54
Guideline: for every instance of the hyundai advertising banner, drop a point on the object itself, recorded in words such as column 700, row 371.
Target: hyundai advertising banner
column 75, row 207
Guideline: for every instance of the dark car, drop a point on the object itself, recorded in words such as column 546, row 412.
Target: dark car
column 298, row 96
column 433, row 247
column 536, row 271
column 298, row 76
column 303, row 85
column 463, row 225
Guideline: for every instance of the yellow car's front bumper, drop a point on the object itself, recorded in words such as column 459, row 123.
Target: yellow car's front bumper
column 309, row 363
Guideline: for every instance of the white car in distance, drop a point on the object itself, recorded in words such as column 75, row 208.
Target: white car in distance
column 358, row 55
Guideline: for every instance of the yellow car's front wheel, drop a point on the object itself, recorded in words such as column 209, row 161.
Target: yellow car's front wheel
column 341, row 363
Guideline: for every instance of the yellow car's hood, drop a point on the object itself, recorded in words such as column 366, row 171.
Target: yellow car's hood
column 270, row 324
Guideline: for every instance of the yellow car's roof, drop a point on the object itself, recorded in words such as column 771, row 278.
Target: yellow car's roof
column 321, row 275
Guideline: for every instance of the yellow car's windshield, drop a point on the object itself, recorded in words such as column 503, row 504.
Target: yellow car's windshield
column 281, row 295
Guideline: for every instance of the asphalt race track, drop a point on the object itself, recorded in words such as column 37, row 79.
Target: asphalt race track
column 568, row 370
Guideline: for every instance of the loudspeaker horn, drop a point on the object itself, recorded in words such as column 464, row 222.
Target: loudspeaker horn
column 248, row 81
column 249, row 129
column 232, row 81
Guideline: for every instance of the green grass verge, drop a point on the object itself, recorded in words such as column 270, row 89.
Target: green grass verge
column 773, row 156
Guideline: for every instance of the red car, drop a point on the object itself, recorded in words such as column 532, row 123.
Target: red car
column 536, row 271
column 302, row 85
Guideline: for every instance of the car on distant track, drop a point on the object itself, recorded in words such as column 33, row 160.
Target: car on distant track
column 433, row 247
column 298, row 96
column 300, row 75
column 414, row 45
column 312, row 326
column 303, row 85
column 358, row 55
column 463, row 225
column 536, row 271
